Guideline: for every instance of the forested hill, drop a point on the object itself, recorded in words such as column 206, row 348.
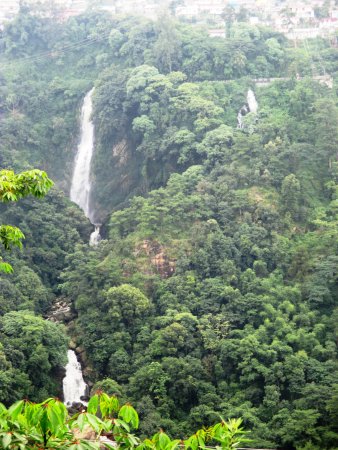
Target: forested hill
column 214, row 291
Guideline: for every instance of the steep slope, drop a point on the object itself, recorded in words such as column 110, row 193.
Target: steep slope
column 215, row 290
column 217, row 293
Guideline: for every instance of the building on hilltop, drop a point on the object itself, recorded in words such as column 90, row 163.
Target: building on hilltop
column 8, row 9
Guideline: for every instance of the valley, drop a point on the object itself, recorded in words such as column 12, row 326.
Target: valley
column 188, row 250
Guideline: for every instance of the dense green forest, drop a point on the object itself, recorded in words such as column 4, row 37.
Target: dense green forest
column 214, row 290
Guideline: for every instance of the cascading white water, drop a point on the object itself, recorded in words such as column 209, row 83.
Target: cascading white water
column 252, row 102
column 242, row 112
column 80, row 188
column 251, row 106
column 81, row 185
column 74, row 386
column 95, row 237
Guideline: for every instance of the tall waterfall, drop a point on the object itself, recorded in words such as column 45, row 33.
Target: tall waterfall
column 81, row 186
column 74, row 386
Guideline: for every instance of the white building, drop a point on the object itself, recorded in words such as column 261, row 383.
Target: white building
column 8, row 9
column 194, row 8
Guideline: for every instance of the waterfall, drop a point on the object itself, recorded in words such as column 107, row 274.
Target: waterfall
column 242, row 112
column 80, row 188
column 250, row 106
column 252, row 102
column 74, row 386
column 95, row 237
column 81, row 185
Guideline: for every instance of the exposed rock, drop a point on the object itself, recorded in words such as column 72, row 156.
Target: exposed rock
column 156, row 252
column 89, row 434
column 120, row 152
column 105, row 439
column 79, row 350
column 88, row 372
column 61, row 311
column 72, row 344
column 59, row 374
column 76, row 407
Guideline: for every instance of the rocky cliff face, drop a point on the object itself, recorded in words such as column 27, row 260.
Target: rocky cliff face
column 116, row 177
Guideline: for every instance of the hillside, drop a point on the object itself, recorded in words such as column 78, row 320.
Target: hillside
column 214, row 291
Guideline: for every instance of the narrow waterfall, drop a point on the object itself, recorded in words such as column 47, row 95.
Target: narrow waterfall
column 252, row 102
column 95, row 237
column 80, row 188
column 251, row 106
column 74, row 387
column 242, row 112
column 81, row 185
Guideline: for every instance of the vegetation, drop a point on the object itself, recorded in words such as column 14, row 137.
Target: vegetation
column 47, row 425
column 31, row 349
column 12, row 188
column 214, row 292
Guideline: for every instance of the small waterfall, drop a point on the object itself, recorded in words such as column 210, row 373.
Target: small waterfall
column 95, row 237
column 251, row 106
column 74, row 386
column 81, row 185
column 242, row 112
column 252, row 102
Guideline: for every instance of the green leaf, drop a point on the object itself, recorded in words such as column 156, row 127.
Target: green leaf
column 121, row 423
column 174, row 444
column 6, row 440
column 129, row 415
column 192, row 443
column 5, row 267
column 163, row 440
column 16, row 409
column 81, row 421
column 104, row 405
column 93, row 421
column 93, row 404
column 114, row 405
column 111, row 447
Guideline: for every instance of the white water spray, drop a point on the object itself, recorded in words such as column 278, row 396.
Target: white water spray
column 251, row 106
column 74, row 386
column 80, row 188
column 95, row 237
column 252, row 102
column 81, row 185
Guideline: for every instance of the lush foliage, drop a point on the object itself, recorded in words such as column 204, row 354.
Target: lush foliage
column 214, row 292
column 12, row 188
column 236, row 257
column 47, row 425
column 32, row 350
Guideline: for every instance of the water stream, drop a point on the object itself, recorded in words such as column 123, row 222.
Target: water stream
column 74, row 387
column 81, row 183
column 251, row 106
column 252, row 102
column 95, row 237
